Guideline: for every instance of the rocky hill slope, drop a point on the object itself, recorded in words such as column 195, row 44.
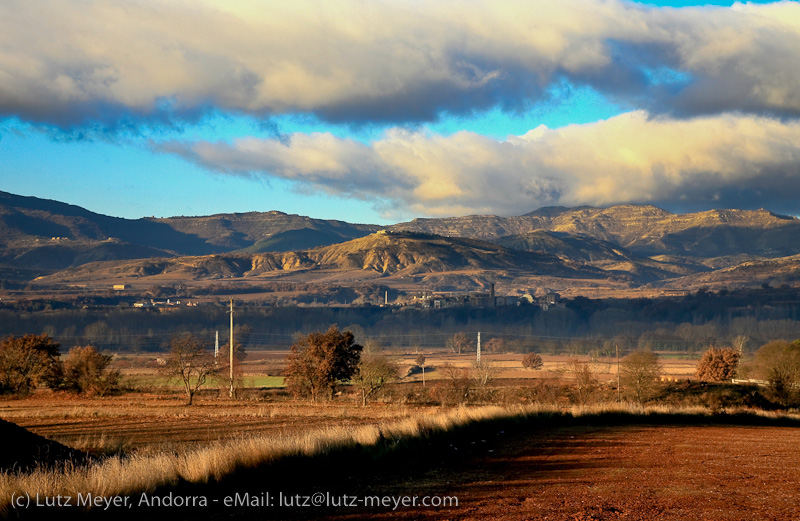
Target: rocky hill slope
column 38, row 236
column 644, row 230
column 381, row 253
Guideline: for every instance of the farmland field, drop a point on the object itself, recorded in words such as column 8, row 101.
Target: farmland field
column 155, row 415
column 154, row 422
column 602, row 467
column 595, row 472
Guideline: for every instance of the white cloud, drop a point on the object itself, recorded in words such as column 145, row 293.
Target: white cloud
column 729, row 160
column 75, row 63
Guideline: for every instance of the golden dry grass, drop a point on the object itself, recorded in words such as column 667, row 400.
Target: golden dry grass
column 151, row 423
column 143, row 473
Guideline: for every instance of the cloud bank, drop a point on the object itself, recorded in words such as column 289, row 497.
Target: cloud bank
column 73, row 64
column 722, row 161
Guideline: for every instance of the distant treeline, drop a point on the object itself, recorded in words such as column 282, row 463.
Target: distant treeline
column 748, row 318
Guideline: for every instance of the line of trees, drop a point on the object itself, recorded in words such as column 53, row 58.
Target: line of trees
column 680, row 324
column 321, row 362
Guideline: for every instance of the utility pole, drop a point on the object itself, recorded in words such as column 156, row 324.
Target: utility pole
column 230, row 350
column 619, row 390
column 479, row 348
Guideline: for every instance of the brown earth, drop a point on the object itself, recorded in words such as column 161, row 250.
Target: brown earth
column 642, row 472
column 580, row 470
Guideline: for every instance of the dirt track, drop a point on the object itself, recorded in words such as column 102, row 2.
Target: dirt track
column 609, row 473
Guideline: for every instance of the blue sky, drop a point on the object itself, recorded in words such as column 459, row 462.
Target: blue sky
column 501, row 109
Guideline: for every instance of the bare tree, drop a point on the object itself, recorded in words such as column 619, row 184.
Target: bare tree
column 190, row 360
column 483, row 371
column 739, row 344
column 420, row 361
column 496, row 345
column 639, row 373
column 460, row 343
column 584, row 378
column 375, row 370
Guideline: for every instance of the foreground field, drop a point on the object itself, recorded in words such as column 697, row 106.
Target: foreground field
column 587, row 464
column 638, row 472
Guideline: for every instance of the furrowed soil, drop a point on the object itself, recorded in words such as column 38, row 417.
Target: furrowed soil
column 151, row 423
column 640, row 472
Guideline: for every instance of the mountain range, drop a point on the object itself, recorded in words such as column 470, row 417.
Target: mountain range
column 631, row 244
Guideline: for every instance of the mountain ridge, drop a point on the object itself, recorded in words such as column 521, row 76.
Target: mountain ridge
column 640, row 243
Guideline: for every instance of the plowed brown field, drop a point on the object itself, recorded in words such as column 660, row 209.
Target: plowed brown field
column 609, row 473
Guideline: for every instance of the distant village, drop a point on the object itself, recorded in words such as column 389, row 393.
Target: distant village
column 423, row 300
column 429, row 300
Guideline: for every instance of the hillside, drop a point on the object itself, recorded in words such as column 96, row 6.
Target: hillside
column 261, row 230
column 773, row 272
column 644, row 230
column 40, row 236
column 380, row 254
column 302, row 239
column 600, row 254
column 576, row 247
column 29, row 222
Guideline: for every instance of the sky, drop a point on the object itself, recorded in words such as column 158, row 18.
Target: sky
column 377, row 111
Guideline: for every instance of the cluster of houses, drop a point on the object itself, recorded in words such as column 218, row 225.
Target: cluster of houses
column 430, row 300
column 153, row 303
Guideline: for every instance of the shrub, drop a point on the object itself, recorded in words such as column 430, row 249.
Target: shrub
column 483, row 372
column 86, row 371
column 455, row 387
column 532, row 361
column 585, row 382
column 718, row 364
column 778, row 362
